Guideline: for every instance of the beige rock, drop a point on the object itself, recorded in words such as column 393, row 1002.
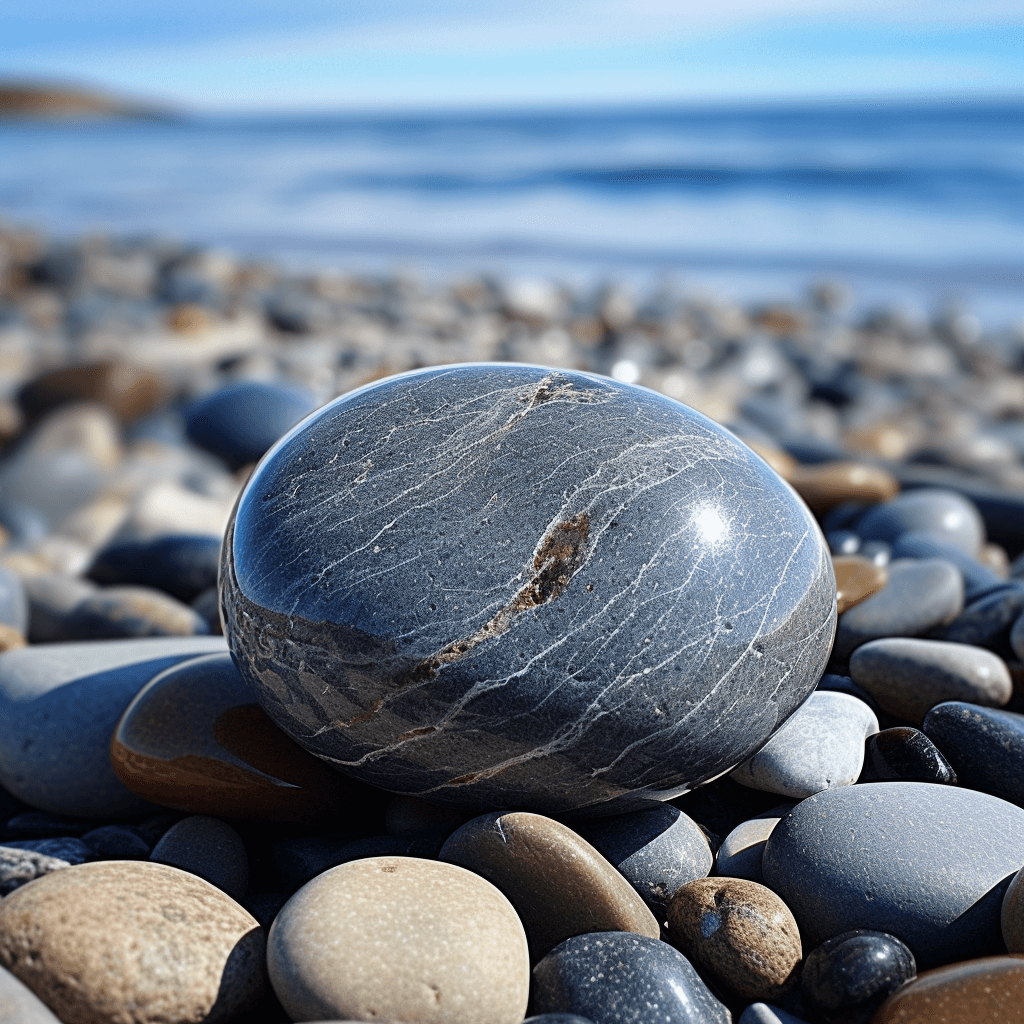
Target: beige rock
column 169, row 508
column 857, row 578
column 127, row 942
column 400, row 939
column 830, row 483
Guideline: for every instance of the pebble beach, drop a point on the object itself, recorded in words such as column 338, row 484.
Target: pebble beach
column 169, row 854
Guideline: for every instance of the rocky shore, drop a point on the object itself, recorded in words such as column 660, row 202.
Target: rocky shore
column 169, row 854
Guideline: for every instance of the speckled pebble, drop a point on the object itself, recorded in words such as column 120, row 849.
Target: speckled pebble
column 903, row 754
column 392, row 938
column 739, row 933
column 946, row 514
column 820, row 747
column 622, row 978
column 742, row 850
column 209, row 848
column 18, row 866
column 20, row 1005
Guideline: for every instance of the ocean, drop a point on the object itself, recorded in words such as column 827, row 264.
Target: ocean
column 920, row 204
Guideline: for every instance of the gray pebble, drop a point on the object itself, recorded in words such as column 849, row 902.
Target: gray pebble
column 52, row 597
column 209, row 848
column 20, row 1005
column 18, row 866
column 742, row 850
column 987, row 620
column 66, row 848
column 13, row 602
column 977, row 577
column 945, row 514
column 132, row 612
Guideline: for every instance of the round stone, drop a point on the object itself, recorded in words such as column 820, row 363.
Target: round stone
column 400, row 939
column 504, row 586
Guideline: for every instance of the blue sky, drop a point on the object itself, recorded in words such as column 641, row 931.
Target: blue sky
column 265, row 54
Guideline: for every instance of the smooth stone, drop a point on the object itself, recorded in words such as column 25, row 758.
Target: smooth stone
column 820, row 747
column 828, row 484
column 903, row 754
column 877, row 552
column 620, row 978
column 857, row 578
column 403, row 613
column 95, row 939
column 117, row 842
column 844, row 684
column 209, row 848
column 985, row 746
column 59, row 705
column 742, row 850
column 738, row 933
column 855, row 971
column 980, row 991
column 920, row 596
column 656, row 851
column 13, row 601
column 842, row 543
column 182, row 565
column 207, row 607
column 52, row 597
column 132, row 612
column 194, row 738
column 977, row 577
column 241, row 421
column 66, row 848
column 944, row 514
column 20, row 1005
column 265, row 906
column 987, row 621
column 393, row 938
column 559, row 884
column 18, row 866
column 1011, row 916
column 928, row 864
column 1017, row 637
column 909, row 676
column 762, row 1013
column 44, row 825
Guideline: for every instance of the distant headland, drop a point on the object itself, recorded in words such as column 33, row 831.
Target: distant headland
column 59, row 101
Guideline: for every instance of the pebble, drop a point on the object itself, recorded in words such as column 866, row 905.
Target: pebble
column 977, row 577
column 117, row 842
column 978, row 991
column 1012, row 914
column 67, row 848
column 209, row 848
column 558, row 883
column 945, row 514
column 18, row 866
column 920, row 596
column 656, row 851
column 762, row 1013
column 821, row 746
column 393, row 938
column 985, row 746
column 739, row 933
column 855, row 972
column 182, row 565
column 857, row 578
column 987, row 621
column 194, row 738
column 829, row 484
column 115, row 612
column 903, row 754
column 742, row 850
column 59, row 705
column 1017, row 637
column 52, row 597
column 928, row 864
column 619, row 978
column 127, row 391
column 909, row 676
column 13, row 601
column 95, row 939
column 20, row 1005
column 397, row 672
column 44, row 825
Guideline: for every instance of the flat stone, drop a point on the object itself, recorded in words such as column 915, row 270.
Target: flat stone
column 558, row 883
column 855, row 972
column 20, row 1005
column 973, row 992
column 94, row 939
column 59, row 704
column 903, row 754
column 18, row 866
column 985, row 746
column 620, row 978
column 977, row 577
column 632, row 628
column 920, row 596
column 209, row 848
column 738, row 933
column 820, row 747
column 857, row 578
column 115, row 612
column 194, row 739
column 928, row 864
column 830, row 483
column 392, row 938
column 945, row 514
column 657, row 851
column 182, row 565
column 909, row 676
column 742, row 850
column 1012, row 914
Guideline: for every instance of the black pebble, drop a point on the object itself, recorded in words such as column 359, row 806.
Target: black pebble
column 181, row 565
column 986, row 621
column 44, row 825
column 117, row 842
column 904, row 755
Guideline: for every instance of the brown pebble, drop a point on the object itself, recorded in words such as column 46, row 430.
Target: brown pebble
column 188, row 318
column 884, row 439
column 558, row 883
column 739, row 932
column 828, row 484
column 994, row 557
column 132, row 942
column 1012, row 917
column 127, row 391
column 857, row 578
column 980, row 991
column 782, row 462
column 10, row 638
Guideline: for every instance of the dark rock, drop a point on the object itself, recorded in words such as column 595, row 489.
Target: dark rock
column 302, row 858
column 903, row 754
column 843, row 542
column 181, row 565
column 66, row 848
column 43, row 825
column 209, row 848
column 264, row 906
column 135, row 612
column 988, row 619
column 946, row 515
column 878, row 552
column 117, row 842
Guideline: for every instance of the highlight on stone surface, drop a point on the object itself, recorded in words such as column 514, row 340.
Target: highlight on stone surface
column 501, row 585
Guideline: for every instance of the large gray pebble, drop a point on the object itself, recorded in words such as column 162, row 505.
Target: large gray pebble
column 820, row 747
column 945, row 514
column 926, row 863
column 920, row 595
column 209, row 848
column 59, row 704
column 20, row 1005
column 742, row 850
column 909, row 676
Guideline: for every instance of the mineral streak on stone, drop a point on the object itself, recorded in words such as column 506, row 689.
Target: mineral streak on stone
column 500, row 586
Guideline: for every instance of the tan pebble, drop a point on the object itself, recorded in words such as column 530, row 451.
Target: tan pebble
column 782, row 462
column 830, row 483
column 1012, row 918
column 127, row 391
column 994, row 557
column 126, row 942
column 739, row 932
column 131, row 611
column 10, row 638
column 886, row 440
column 857, row 578
column 188, row 318
column 400, row 939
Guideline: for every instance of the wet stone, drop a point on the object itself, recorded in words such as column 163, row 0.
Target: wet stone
column 857, row 578
column 742, row 850
column 559, row 884
column 181, row 565
column 985, row 746
column 739, row 933
column 606, row 977
column 421, row 660
column 903, row 754
column 945, row 514
column 909, row 676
